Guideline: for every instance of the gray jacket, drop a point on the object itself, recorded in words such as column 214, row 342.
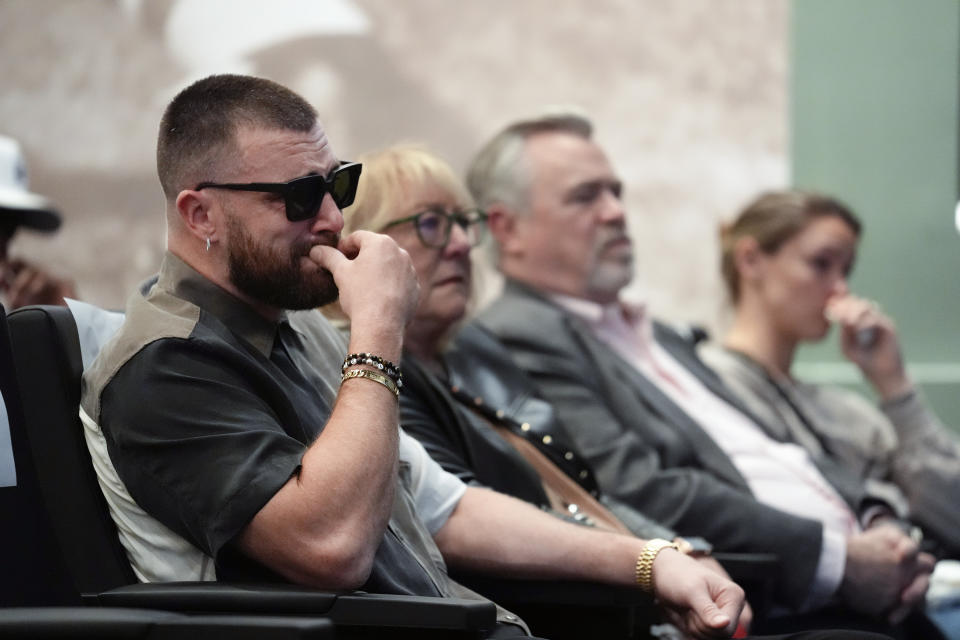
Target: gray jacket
column 644, row 450
column 900, row 448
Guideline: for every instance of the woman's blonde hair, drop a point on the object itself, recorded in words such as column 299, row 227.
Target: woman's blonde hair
column 387, row 174
column 772, row 219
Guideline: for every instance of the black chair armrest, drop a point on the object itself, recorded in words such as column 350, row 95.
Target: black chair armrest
column 234, row 627
column 755, row 573
column 123, row 623
column 562, row 609
column 557, row 592
column 218, row 596
column 748, row 566
column 351, row 608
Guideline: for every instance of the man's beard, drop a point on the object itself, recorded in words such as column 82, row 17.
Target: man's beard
column 609, row 274
column 276, row 277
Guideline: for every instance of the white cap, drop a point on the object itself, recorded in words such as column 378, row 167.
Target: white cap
column 18, row 206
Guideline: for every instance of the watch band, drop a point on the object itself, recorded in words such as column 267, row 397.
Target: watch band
column 644, row 569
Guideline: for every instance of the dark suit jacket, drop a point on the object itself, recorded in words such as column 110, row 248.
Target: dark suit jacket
column 644, row 450
column 448, row 425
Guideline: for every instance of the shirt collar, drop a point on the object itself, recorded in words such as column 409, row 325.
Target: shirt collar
column 187, row 283
column 634, row 314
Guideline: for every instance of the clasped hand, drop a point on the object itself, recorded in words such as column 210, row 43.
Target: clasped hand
column 886, row 573
column 699, row 600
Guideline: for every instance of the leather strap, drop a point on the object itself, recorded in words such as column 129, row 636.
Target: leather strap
column 561, row 490
column 566, row 496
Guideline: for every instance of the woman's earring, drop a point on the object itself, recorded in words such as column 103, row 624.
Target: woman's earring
column 208, row 243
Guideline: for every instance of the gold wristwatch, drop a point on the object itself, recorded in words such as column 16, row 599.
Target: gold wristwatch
column 644, row 568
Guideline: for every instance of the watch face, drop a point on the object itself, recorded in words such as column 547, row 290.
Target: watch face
column 693, row 546
column 684, row 546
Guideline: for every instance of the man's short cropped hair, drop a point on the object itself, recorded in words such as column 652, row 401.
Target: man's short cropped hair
column 198, row 127
column 498, row 173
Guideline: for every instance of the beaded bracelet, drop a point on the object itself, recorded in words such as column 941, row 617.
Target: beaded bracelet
column 372, row 375
column 392, row 370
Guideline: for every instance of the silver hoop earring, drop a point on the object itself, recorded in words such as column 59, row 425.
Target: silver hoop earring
column 208, row 243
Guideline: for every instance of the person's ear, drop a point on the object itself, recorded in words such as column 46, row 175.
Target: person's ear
column 503, row 225
column 748, row 259
column 199, row 212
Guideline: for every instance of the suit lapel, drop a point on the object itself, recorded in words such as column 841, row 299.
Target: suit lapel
column 648, row 398
column 706, row 450
column 685, row 354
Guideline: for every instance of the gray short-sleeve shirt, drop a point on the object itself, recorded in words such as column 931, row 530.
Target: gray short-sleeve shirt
column 203, row 410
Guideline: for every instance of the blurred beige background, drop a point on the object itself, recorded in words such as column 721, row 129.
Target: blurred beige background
column 688, row 97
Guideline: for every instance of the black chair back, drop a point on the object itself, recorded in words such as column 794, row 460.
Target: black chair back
column 48, row 365
column 67, row 541
column 32, row 569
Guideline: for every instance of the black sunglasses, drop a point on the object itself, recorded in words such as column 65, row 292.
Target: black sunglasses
column 302, row 196
column 434, row 225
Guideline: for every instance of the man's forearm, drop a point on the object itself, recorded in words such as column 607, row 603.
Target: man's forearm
column 324, row 525
column 350, row 471
column 494, row 533
column 497, row 534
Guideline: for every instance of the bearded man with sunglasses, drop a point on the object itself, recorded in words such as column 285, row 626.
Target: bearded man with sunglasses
column 232, row 438
column 200, row 411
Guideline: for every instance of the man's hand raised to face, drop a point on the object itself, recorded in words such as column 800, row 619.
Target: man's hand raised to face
column 376, row 279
